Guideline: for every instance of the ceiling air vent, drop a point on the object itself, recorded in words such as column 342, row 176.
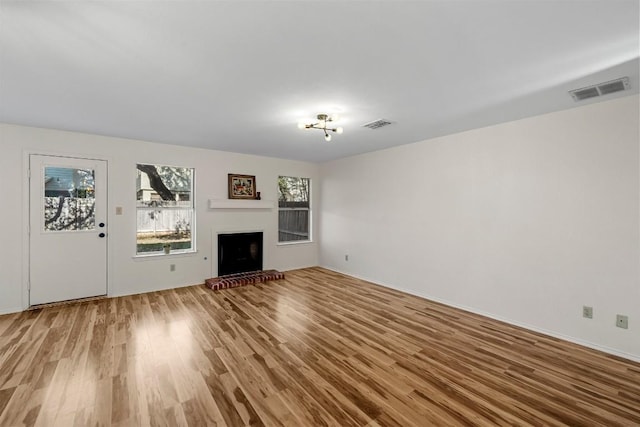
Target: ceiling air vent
column 377, row 124
column 600, row 89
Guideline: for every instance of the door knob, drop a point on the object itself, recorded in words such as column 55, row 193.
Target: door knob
column 101, row 235
column 101, row 225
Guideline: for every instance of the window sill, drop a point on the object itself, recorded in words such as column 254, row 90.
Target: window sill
column 295, row 242
column 157, row 255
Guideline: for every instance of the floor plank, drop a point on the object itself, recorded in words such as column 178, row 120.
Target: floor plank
column 318, row 348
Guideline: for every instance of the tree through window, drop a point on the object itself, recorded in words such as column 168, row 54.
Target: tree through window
column 294, row 210
column 69, row 199
column 165, row 209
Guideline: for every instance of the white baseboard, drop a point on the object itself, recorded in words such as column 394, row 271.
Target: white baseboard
column 11, row 310
column 151, row 289
column 604, row 349
column 533, row 328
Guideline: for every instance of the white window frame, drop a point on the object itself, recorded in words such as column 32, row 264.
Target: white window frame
column 192, row 208
column 308, row 208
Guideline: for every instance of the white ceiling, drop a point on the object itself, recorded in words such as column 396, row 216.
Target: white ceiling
column 238, row 75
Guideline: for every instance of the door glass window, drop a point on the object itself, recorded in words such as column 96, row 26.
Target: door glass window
column 69, row 199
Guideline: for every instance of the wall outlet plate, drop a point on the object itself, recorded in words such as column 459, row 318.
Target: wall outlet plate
column 622, row 321
column 587, row 312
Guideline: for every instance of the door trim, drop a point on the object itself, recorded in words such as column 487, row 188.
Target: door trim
column 26, row 211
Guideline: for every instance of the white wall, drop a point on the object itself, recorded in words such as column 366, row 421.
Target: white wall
column 127, row 274
column 525, row 221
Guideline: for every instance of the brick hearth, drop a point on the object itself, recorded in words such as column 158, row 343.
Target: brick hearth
column 242, row 279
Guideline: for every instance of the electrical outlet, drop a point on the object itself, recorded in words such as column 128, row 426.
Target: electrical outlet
column 622, row 321
column 587, row 312
column 346, row 257
column 172, row 267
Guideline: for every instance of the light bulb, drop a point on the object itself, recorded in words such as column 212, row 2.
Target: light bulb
column 301, row 125
column 327, row 137
column 339, row 130
column 335, row 117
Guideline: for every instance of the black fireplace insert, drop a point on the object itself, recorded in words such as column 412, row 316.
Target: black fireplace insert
column 239, row 253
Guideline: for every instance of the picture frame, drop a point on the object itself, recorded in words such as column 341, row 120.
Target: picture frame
column 242, row 186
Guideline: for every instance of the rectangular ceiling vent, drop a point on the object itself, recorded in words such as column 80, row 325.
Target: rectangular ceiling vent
column 600, row 89
column 377, row 124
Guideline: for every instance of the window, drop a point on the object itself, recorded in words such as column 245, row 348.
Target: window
column 69, row 199
column 294, row 213
column 165, row 211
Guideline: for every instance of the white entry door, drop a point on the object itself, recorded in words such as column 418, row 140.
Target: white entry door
column 67, row 229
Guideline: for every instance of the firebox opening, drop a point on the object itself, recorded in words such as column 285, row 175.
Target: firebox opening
column 239, row 253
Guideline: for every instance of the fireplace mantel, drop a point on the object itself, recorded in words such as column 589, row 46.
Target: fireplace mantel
column 240, row 204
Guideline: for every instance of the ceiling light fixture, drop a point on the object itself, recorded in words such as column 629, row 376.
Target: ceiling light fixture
column 323, row 121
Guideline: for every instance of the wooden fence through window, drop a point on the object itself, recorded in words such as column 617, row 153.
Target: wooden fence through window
column 293, row 221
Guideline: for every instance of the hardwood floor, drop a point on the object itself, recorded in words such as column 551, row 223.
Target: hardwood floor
column 318, row 348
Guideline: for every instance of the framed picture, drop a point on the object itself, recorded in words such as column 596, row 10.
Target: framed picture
column 242, row 186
